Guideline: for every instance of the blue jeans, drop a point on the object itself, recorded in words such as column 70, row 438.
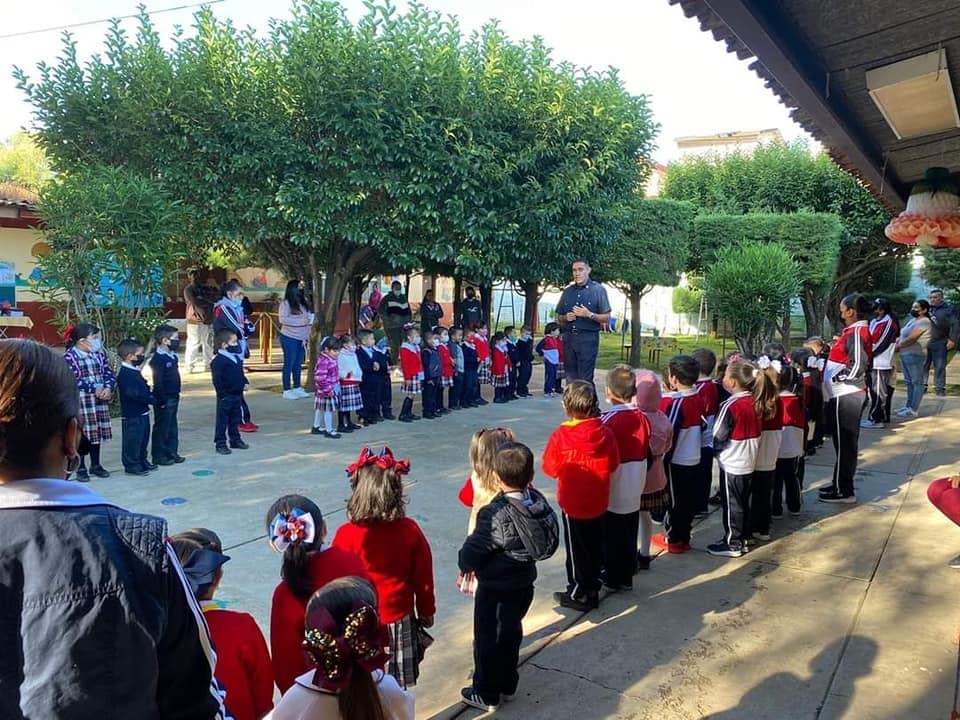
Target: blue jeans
column 293, row 354
column 937, row 358
column 912, row 365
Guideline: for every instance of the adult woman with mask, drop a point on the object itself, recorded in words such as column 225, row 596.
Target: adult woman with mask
column 96, row 383
column 844, row 387
column 228, row 314
column 96, row 619
column 912, row 346
column 430, row 313
column 295, row 322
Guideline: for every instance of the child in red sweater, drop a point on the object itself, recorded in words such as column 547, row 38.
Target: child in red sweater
column 296, row 528
column 411, row 364
column 243, row 664
column 448, row 371
column 484, row 373
column 500, row 368
column 581, row 454
column 394, row 552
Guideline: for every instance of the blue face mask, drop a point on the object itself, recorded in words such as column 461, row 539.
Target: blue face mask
column 95, row 344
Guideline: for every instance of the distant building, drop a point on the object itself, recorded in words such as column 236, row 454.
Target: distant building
column 723, row 144
column 655, row 181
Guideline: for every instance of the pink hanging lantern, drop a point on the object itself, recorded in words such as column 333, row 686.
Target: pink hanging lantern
column 932, row 216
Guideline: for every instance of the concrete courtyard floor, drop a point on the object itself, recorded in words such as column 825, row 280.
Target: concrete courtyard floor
column 850, row 612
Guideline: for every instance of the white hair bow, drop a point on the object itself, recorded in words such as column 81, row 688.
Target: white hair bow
column 764, row 362
column 813, row 362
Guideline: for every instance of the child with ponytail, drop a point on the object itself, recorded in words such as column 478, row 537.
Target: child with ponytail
column 736, row 441
column 769, row 407
column 790, row 462
column 296, row 529
column 342, row 635
column 96, row 383
column 395, row 554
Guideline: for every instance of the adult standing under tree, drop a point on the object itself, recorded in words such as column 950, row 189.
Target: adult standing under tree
column 199, row 314
column 430, row 312
column 97, row 619
column 582, row 311
column 471, row 310
column 395, row 313
column 295, row 322
column 943, row 339
column 912, row 345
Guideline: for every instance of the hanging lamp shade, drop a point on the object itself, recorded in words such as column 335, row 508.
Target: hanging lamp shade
column 932, row 216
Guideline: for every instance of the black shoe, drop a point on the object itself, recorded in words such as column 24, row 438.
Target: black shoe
column 430, row 416
column 135, row 471
column 240, row 445
column 100, row 471
column 150, row 467
column 179, row 459
column 344, row 429
column 835, row 497
column 613, row 587
column 411, row 416
column 565, row 599
column 643, row 562
column 481, row 401
column 389, row 416
column 165, row 462
column 715, row 499
column 316, row 431
column 469, row 696
column 82, row 475
column 332, row 435
column 499, row 401
column 223, row 450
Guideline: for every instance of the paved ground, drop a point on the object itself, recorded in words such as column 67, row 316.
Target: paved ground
column 849, row 613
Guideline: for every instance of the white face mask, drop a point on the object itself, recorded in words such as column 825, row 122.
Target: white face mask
column 444, row 338
column 415, row 341
column 434, row 342
column 95, row 344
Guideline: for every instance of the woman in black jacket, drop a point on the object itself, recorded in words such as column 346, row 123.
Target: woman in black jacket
column 430, row 313
column 96, row 618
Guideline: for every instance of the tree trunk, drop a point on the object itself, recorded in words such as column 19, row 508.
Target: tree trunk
column 531, row 301
column 486, row 302
column 785, row 327
column 457, row 290
column 635, row 296
column 356, row 292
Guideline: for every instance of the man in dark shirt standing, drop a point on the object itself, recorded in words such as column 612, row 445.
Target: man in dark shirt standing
column 583, row 309
column 471, row 311
column 943, row 339
column 395, row 312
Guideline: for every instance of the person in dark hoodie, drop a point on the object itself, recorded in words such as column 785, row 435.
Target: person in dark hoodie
column 514, row 531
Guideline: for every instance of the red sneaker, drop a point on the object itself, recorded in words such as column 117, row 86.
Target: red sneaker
column 678, row 548
column 247, row 428
column 659, row 541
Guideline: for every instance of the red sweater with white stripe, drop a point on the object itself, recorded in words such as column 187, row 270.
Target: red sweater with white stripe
column 501, row 362
column 685, row 411
column 446, row 361
column 631, row 428
column 794, row 426
column 710, row 394
column 883, row 336
column 736, row 434
column 848, row 361
column 581, row 455
column 411, row 364
column 771, row 433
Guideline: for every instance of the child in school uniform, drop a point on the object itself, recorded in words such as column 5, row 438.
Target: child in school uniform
column 736, row 440
column 770, row 409
column 524, row 362
column 447, row 370
column 819, row 350
column 471, row 368
column 326, row 387
column 455, row 348
column 296, row 530
column 501, row 367
column 243, row 667
column 481, row 485
column 343, row 638
column 581, row 455
column 375, row 387
column 135, row 402
column 395, row 553
column 622, row 520
column 411, row 364
column 510, row 333
column 165, row 366
column 484, row 374
column 350, row 375
column 685, row 408
column 788, row 477
column 432, row 374
column 551, row 349
column 96, row 383
column 517, row 529
column 226, row 372
column 231, row 313
column 656, row 496
column 707, row 389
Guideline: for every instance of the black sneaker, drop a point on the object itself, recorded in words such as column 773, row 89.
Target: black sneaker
column 150, row 467
column 643, row 562
column 100, row 471
column 177, row 459
column 389, row 416
column 316, row 431
column 240, row 446
column 135, row 471
column 837, row 498
column 165, row 462
column 332, row 435
column 715, row 499
column 82, row 475
column 565, row 599
column 469, row 696
column 223, row 450
column 723, row 549
column 617, row 587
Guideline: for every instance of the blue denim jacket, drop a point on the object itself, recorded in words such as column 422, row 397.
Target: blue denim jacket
column 96, row 620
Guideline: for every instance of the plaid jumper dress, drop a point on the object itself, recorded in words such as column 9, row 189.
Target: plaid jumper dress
column 91, row 370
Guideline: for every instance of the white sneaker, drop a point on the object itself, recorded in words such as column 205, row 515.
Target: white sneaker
column 907, row 412
column 290, row 395
column 871, row 425
column 301, row 393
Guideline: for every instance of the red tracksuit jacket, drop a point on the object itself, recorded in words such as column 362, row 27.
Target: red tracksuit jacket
column 685, row 410
column 736, row 434
column 794, row 426
column 581, row 455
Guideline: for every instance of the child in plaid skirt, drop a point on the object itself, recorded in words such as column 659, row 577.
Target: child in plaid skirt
column 501, row 368
column 411, row 364
column 484, row 374
column 96, row 383
column 351, row 375
column 327, row 387
column 447, row 371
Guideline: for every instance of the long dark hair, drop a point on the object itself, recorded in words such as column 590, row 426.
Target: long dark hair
column 81, row 331
column 296, row 568
column 295, row 298
column 859, row 304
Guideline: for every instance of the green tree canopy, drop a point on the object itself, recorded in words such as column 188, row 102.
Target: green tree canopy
column 23, row 162
column 750, row 285
column 941, row 268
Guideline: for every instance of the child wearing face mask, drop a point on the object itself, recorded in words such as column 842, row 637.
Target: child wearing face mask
column 524, row 362
column 164, row 365
column 551, row 349
column 484, row 373
column 470, row 392
column 229, row 314
column 411, row 364
column 510, row 333
column 226, row 371
column 351, row 375
column 326, row 384
column 135, row 402
column 432, row 374
column 96, row 383
column 447, row 370
column 459, row 369
column 501, row 368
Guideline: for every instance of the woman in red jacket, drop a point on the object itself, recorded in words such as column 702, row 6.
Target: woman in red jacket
column 296, row 528
column 394, row 552
column 581, row 454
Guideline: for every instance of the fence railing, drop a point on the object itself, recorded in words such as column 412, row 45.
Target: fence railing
column 267, row 329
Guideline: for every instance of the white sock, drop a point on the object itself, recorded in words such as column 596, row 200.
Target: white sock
column 317, row 417
column 328, row 420
column 646, row 531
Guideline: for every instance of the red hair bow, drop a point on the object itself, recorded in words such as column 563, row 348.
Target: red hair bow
column 362, row 644
column 67, row 332
column 383, row 459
